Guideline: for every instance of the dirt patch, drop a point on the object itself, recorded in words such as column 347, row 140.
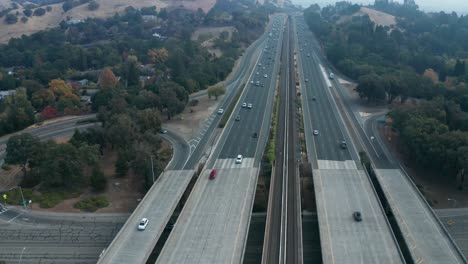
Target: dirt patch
column 207, row 36
column 107, row 9
column 379, row 18
column 188, row 124
column 9, row 178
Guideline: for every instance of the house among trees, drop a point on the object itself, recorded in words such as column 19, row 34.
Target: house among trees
column 84, row 82
column 4, row 94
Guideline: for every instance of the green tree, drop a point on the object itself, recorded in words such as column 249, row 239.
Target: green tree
column 149, row 120
column 62, row 165
column 170, row 101
column 122, row 164
column 11, row 19
column 98, row 180
column 93, row 5
column 18, row 112
column 216, row 91
column 21, row 149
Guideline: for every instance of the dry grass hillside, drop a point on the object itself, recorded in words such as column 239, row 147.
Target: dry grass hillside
column 107, row 9
column 379, row 18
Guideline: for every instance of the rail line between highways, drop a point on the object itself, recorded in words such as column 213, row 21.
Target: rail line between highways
column 283, row 240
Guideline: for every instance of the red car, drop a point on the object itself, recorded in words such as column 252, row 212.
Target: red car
column 213, row 174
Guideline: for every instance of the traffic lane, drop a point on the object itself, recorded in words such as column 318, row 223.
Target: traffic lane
column 241, row 131
column 344, row 240
column 322, row 118
column 251, row 119
column 343, row 132
column 385, row 159
column 306, row 99
column 181, row 150
column 327, row 142
column 49, row 128
column 211, row 227
column 134, row 246
column 199, row 150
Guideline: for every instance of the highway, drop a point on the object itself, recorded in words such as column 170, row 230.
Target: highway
column 341, row 186
column 213, row 225
column 427, row 239
column 201, row 145
column 283, row 235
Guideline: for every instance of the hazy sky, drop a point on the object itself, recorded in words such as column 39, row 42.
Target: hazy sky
column 459, row 6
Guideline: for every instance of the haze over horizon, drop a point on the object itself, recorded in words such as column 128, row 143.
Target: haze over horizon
column 461, row 7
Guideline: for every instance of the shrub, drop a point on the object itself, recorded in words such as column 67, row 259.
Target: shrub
column 91, row 204
column 6, row 167
column 122, row 164
column 93, row 5
column 11, row 19
column 98, row 180
column 52, row 198
column 27, row 12
column 24, row 19
column 39, row 11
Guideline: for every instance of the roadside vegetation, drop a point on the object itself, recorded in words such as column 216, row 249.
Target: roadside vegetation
column 130, row 70
column 53, row 71
column 418, row 66
column 91, row 204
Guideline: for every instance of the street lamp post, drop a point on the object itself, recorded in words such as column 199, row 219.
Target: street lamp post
column 454, row 202
column 152, row 167
column 22, row 197
column 21, row 256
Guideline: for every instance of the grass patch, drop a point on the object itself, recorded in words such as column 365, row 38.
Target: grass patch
column 14, row 196
column 6, row 166
column 228, row 111
column 165, row 155
column 91, row 204
column 271, row 146
column 52, row 199
column 45, row 199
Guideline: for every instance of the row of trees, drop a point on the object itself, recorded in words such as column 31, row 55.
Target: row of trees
column 130, row 124
column 421, row 57
column 400, row 54
column 433, row 135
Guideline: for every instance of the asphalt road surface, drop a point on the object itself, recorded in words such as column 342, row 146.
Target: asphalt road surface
column 426, row 238
column 56, row 238
column 213, row 225
column 341, row 186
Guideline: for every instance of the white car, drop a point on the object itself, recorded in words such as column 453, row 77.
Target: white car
column 257, row 73
column 251, row 81
column 316, row 132
column 220, row 111
column 249, row 106
column 264, row 76
column 143, row 223
column 306, row 80
column 244, row 105
column 239, row 159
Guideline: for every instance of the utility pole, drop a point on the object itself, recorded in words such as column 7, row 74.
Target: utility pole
column 152, row 167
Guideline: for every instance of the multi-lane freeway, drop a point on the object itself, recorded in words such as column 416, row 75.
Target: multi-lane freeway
column 213, row 225
column 424, row 236
column 341, row 186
